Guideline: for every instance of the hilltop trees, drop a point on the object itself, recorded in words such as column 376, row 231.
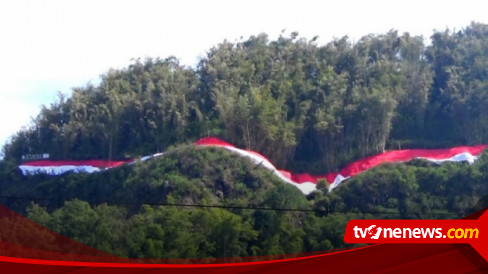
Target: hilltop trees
column 141, row 109
column 460, row 85
column 304, row 106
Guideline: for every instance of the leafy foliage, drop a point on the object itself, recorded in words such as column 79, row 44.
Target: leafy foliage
column 306, row 107
column 199, row 202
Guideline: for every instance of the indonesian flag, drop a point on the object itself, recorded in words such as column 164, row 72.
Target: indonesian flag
column 304, row 181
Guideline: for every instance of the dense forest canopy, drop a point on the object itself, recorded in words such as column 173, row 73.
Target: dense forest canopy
column 198, row 202
column 306, row 107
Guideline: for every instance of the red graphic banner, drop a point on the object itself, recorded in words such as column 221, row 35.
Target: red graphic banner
column 28, row 247
column 473, row 232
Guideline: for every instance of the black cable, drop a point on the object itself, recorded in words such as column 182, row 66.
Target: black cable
column 237, row 207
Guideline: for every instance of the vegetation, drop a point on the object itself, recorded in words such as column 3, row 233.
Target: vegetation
column 197, row 202
column 306, row 107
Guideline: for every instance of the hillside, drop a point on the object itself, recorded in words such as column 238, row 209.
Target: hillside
column 191, row 198
column 197, row 202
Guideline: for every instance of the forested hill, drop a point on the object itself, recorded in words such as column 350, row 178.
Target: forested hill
column 204, row 202
column 307, row 107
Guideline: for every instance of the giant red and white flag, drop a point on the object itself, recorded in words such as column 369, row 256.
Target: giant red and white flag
column 303, row 181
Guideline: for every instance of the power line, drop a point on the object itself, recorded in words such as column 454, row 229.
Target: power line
column 240, row 207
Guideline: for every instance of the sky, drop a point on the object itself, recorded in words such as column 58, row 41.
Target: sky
column 51, row 46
